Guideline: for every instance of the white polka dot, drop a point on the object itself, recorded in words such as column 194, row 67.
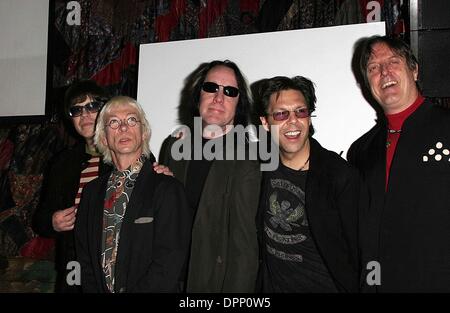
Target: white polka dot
column 431, row 151
column 438, row 157
column 439, row 145
column 425, row 158
column 446, row 152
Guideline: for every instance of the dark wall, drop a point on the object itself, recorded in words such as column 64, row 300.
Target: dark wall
column 433, row 36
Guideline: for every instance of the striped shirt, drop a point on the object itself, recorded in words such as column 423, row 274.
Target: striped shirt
column 88, row 174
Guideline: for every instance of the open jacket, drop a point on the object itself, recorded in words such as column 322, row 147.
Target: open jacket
column 224, row 249
column 406, row 227
column 332, row 209
column 154, row 236
column 60, row 188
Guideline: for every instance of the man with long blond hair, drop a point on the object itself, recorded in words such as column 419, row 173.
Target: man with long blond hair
column 133, row 226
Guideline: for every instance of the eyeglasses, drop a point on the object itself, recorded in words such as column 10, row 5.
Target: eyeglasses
column 228, row 91
column 116, row 123
column 91, row 107
column 284, row 115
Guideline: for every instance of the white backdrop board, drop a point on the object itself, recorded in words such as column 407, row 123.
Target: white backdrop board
column 23, row 57
column 320, row 54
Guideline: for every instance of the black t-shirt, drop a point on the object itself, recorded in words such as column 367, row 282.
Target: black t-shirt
column 196, row 176
column 293, row 263
column 198, row 169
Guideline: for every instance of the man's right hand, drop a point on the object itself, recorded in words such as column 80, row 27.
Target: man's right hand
column 159, row 168
column 64, row 220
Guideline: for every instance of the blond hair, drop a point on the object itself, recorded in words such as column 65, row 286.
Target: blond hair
column 101, row 126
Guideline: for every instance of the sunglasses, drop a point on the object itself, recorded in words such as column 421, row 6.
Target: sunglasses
column 228, row 91
column 284, row 115
column 91, row 107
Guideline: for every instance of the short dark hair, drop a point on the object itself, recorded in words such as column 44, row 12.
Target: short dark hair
column 79, row 91
column 397, row 45
column 277, row 84
column 191, row 94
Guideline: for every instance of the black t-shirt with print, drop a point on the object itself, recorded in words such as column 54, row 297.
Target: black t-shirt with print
column 293, row 263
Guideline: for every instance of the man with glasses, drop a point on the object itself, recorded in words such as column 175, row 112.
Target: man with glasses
column 133, row 225
column 67, row 175
column 223, row 193
column 405, row 162
column 308, row 212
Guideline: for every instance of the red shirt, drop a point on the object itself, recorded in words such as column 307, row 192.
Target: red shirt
column 395, row 123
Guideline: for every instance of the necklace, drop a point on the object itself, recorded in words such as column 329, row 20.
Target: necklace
column 392, row 132
column 307, row 161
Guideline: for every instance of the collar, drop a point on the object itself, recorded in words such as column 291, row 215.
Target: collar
column 395, row 121
column 134, row 168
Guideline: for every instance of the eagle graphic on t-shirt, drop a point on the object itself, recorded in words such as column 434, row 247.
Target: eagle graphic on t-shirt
column 283, row 214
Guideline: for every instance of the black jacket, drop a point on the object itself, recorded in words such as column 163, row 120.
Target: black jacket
column 224, row 251
column 59, row 191
column 150, row 255
column 332, row 206
column 407, row 228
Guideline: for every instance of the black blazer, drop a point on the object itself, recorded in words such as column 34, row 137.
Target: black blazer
column 406, row 228
column 59, row 190
column 151, row 253
column 224, row 251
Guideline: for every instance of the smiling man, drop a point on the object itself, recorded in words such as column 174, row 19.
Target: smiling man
column 133, row 226
column 405, row 162
column 308, row 214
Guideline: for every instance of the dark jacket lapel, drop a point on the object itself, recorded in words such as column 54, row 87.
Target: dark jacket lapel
column 325, row 218
column 97, row 228
column 145, row 183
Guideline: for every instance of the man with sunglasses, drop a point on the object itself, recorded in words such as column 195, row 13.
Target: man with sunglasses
column 133, row 225
column 308, row 210
column 67, row 175
column 223, row 193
